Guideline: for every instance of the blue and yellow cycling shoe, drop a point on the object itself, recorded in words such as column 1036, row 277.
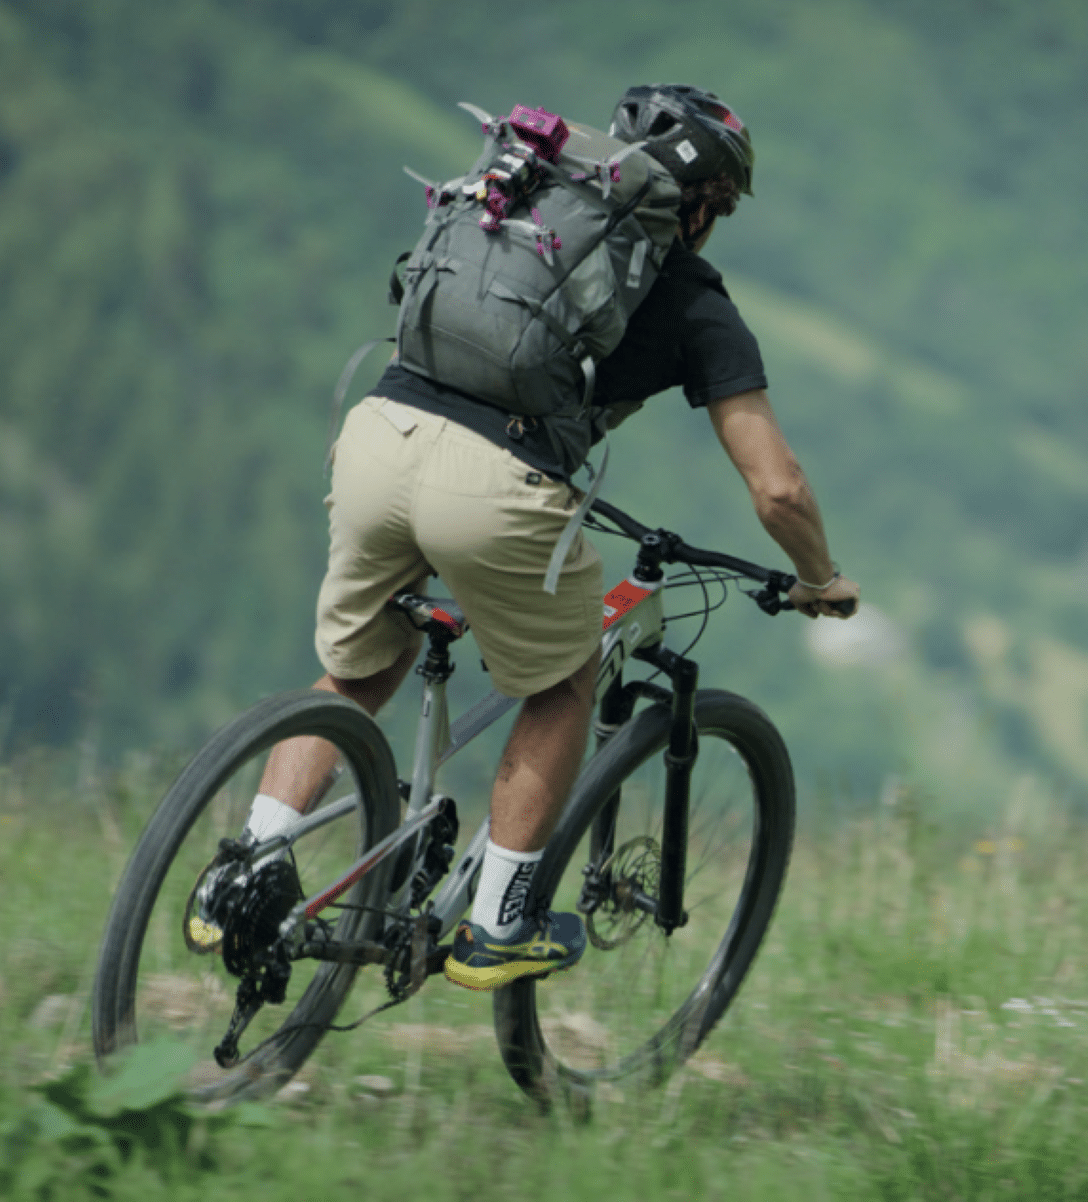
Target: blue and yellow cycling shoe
column 536, row 947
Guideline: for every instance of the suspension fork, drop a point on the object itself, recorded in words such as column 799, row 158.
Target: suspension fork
column 617, row 706
column 679, row 760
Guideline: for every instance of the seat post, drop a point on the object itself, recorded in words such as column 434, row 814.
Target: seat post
column 437, row 668
column 433, row 732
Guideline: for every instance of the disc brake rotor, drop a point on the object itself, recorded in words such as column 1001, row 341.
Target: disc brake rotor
column 633, row 872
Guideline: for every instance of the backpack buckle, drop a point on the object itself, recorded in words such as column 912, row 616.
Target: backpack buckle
column 516, row 427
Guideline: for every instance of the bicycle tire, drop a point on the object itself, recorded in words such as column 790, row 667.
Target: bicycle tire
column 210, row 798
column 560, row 1036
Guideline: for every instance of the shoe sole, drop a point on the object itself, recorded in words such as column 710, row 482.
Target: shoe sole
column 203, row 938
column 485, row 980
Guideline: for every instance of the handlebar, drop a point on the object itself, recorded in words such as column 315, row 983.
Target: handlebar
column 661, row 546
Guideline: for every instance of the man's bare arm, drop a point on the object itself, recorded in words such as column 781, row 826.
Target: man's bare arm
column 748, row 430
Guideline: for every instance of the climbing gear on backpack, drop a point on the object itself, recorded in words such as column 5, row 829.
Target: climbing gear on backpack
column 530, row 266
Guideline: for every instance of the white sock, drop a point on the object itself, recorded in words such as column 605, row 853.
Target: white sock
column 269, row 818
column 505, row 877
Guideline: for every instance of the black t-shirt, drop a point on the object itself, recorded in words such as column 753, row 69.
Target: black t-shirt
column 687, row 333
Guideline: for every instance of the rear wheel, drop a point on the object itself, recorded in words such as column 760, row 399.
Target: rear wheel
column 151, row 982
column 641, row 1002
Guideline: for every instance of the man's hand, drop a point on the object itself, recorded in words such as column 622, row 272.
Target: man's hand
column 813, row 602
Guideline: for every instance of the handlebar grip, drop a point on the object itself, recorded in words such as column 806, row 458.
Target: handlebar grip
column 846, row 608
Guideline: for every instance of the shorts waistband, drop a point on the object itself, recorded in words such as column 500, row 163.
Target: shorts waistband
column 403, row 416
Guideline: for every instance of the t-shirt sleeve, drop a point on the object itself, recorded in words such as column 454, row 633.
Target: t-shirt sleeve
column 721, row 355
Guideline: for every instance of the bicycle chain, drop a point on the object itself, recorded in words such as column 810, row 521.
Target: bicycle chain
column 398, row 981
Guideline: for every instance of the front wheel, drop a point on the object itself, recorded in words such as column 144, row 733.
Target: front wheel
column 641, row 1002
column 152, row 981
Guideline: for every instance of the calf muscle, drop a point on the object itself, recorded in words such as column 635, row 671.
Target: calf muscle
column 541, row 762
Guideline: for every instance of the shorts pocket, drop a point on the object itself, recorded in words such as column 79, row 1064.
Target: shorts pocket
column 373, row 434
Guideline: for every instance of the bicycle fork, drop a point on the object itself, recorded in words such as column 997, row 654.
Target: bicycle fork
column 617, row 706
column 679, row 759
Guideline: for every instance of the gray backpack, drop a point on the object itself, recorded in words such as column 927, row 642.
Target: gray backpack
column 529, row 268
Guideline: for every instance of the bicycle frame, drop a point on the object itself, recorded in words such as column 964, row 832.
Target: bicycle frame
column 633, row 625
column 418, row 852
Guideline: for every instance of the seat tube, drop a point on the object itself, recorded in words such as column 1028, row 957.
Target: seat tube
column 433, row 730
column 429, row 737
column 679, row 758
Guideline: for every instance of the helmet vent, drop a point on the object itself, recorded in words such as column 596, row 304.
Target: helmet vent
column 691, row 132
column 726, row 116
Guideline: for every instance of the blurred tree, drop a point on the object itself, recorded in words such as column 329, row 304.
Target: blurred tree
column 199, row 205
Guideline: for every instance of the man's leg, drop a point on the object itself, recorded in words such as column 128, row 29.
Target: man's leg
column 542, row 758
column 296, row 777
column 298, row 769
column 541, row 761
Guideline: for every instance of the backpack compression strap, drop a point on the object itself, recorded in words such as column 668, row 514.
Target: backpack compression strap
column 341, row 390
column 570, row 530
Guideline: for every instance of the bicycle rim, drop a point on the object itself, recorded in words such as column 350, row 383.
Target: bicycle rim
column 640, row 1002
column 151, row 985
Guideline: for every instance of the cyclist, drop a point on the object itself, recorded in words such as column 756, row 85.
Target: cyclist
column 426, row 478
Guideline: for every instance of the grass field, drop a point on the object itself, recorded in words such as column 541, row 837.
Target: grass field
column 916, row 1026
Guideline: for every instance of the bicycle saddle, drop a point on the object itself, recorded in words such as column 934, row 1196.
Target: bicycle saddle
column 423, row 611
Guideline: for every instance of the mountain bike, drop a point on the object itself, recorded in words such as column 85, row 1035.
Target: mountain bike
column 673, row 846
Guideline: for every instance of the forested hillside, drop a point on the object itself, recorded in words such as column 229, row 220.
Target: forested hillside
column 199, row 206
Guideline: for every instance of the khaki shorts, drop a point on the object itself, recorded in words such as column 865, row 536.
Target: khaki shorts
column 412, row 492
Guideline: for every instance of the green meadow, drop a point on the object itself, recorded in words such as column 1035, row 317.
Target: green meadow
column 915, row 1026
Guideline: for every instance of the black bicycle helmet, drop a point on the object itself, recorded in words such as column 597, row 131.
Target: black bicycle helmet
column 690, row 132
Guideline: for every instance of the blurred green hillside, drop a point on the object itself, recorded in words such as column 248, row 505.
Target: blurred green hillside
column 199, row 206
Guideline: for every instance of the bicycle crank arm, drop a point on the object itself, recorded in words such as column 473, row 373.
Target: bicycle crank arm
column 364, row 952
column 360, row 952
column 436, row 958
column 310, row 907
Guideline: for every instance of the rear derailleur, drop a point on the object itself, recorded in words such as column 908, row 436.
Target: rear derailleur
column 258, row 903
column 253, row 905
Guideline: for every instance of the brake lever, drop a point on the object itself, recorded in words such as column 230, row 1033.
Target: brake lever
column 771, row 602
column 769, row 598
